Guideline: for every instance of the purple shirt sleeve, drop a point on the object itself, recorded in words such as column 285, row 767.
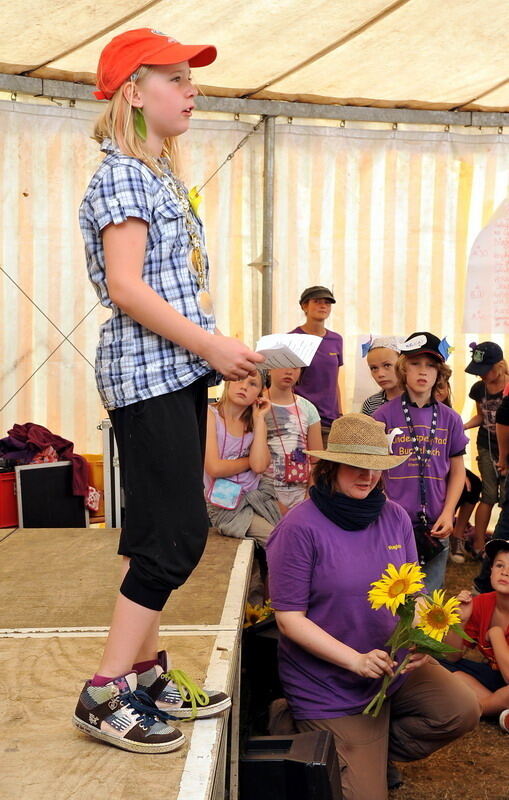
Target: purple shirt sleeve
column 291, row 560
column 458, row 440
column 319, row 381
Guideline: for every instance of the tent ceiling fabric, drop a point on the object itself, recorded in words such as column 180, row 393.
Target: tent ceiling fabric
column 391, row 53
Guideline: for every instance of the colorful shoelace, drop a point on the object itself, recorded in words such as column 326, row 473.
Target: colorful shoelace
column 189, row 691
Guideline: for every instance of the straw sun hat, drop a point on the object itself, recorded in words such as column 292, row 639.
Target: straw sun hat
column 359, row 441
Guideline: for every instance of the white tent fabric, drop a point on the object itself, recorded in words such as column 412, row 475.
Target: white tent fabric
column 402, row 53
column 385, row 217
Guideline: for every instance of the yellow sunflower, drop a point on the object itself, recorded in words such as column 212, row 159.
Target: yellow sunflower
column 394, row 586
column 256, row 613
column 435, row 618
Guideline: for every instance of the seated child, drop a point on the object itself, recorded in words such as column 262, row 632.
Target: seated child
column 239, row 502
column 293, row 425
column 486, row 620
column 382, row 354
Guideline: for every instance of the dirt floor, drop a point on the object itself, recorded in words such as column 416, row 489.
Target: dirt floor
column 473, row 768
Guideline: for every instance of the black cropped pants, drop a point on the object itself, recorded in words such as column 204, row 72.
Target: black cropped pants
column 161, row 446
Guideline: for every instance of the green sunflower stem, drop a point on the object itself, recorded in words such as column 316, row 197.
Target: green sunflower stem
column 375, row 705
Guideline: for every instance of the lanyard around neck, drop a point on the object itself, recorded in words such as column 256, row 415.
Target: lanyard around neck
column 234, row 478
column 422, row 455
column 277, row 426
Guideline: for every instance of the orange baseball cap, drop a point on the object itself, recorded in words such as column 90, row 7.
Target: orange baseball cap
column 129, row 50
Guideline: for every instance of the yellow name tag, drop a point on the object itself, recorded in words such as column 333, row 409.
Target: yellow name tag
column 393, row 547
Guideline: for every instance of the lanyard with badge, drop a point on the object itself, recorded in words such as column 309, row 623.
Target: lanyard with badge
column 196, row 256
column 225, row 492
column 422, row 455
column 427, row 546
column 297, row 462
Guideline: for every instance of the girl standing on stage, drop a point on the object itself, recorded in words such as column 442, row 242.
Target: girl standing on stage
column 156, row 356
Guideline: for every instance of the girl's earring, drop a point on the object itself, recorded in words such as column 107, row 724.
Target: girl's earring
column 140, row 125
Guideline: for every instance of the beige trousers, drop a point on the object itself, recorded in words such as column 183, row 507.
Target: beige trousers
column 428, row 711
column 260, row 530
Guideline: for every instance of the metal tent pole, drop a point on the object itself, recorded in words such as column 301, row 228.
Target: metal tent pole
column 269, row 141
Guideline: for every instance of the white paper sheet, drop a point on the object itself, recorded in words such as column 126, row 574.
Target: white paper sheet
column 287, row 349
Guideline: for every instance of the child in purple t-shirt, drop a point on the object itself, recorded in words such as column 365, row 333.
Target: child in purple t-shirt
column 319, row 382
column 430, row 483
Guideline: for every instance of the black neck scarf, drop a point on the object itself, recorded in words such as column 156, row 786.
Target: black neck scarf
column 347, row 512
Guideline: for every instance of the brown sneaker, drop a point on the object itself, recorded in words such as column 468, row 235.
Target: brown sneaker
column 175, row 693
column 125, row 717
column 456, row 550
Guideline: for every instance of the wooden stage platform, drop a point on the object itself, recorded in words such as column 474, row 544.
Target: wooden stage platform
column 57, row 589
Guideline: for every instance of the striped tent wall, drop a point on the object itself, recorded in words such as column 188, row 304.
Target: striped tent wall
column 385, row 217
column 47, row 158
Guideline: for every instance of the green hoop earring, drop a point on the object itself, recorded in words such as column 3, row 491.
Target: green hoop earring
column 140, row 125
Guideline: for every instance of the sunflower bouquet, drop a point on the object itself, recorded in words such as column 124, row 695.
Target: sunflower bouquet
column 423, row 621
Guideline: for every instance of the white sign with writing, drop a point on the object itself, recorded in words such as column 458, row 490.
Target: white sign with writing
column 487, row 290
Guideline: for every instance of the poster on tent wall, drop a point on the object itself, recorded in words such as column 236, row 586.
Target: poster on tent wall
column 487, row 289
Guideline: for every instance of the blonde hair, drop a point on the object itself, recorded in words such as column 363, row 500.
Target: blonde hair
column 247, row 414
column 117, row 123
column 501, row 369
column 444, row 372
column 443, row 383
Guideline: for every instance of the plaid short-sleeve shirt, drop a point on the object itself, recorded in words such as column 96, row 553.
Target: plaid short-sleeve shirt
column 132, row 362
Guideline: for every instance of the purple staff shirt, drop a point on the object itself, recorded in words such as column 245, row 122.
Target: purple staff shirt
column 401, row 483
column 317, row 567
column 319, row 381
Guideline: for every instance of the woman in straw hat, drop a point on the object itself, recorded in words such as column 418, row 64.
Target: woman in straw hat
column 322, row 557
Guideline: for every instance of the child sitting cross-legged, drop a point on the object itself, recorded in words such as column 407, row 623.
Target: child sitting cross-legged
column 486, row 620
column 240, row 500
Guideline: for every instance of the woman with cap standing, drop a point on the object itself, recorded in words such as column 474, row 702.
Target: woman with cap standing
column 156, row 356
column 488, row 364
column 322, row 558
column 319, row 382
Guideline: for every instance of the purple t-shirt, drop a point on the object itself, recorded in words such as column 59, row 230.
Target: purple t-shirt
column 317, row 567
column 402, row 483
column 319, row 381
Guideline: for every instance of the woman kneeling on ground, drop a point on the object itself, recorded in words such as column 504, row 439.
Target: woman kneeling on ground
column 322, row 558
